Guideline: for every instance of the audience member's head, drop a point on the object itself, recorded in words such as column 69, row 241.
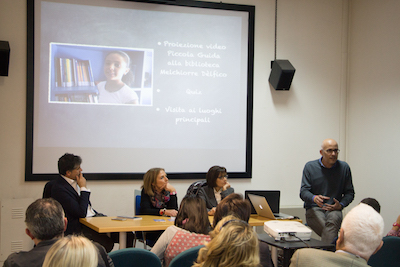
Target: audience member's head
column 45, row 219
column 150, row 179
column 361, row 231
column 68, row 162
column 213, row 174
column 192, row 216
column 235, row 205
column 234, row 243
column 373, row 203
column 72, row 251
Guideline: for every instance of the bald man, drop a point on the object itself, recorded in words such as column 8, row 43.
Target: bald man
column 326, row 188
column 360, row 237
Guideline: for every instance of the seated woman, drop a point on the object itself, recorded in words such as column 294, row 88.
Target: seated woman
column 191, row 229
column 235, row 205
column 72, row 251
column 158, row 197
column 217, row 188
column 233, row 243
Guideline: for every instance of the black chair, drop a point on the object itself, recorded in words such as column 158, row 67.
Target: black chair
column 388, row 255
column 193, row 189
column 47, row 189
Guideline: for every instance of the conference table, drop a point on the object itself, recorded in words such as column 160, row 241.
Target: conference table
column 146, row 223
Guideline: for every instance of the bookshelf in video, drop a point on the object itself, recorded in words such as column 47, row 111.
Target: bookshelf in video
column 72, row 74
column 74, row 81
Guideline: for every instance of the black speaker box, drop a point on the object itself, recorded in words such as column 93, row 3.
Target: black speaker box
column 281, row 74
column 4, row 57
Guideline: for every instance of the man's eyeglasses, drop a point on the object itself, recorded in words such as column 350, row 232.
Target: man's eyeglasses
column 330, row 151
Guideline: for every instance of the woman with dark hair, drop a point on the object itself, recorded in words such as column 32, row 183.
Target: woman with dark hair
column 217, row 188
column 235, row 205
column 191, row 229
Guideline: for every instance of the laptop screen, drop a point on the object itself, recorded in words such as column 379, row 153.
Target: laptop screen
column 272, row 197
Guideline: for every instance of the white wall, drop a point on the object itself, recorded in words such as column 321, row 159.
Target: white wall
column 373, row 129
column 358, row 108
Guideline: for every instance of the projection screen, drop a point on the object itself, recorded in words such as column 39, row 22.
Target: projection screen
column 133, row 85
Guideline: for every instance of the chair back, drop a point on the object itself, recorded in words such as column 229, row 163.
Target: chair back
column 138, row 198
column 388, row 255
column 141, row 235
column 193, row 189
column 130, row 257
column 186, row 258
column 47, row 189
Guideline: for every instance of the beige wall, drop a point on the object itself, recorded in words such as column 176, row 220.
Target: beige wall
column 373, row 128
column 350, row 98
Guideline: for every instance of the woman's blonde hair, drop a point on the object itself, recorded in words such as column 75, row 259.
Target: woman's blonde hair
column 234, row 243
column 150, row 178
column 72, row 251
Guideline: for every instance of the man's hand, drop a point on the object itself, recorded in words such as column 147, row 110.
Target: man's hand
column 319, row 200
column 335, row 206
column 80, row 180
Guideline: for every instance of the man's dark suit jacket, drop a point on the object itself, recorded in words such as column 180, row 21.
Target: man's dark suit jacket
column 75, row 206
column 35, row 257
column 207, row 194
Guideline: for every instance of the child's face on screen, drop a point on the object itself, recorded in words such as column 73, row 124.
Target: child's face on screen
column 115, row 67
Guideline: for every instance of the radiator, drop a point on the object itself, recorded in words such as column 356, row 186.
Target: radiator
column 12, row 227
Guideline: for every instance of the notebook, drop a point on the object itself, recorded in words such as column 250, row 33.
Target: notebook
column 263, row 209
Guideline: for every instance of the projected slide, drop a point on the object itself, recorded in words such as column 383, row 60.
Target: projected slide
column 129, row 86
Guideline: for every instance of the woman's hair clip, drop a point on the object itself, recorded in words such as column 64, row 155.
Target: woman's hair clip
column 233, row 220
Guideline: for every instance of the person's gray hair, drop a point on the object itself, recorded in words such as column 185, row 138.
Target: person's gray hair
column 45, row 219
column 363, row 230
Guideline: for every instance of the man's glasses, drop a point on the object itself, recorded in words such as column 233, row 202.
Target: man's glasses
column 330, row 151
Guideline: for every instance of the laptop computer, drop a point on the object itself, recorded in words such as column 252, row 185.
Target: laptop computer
column 263, row 209
column 273, row 199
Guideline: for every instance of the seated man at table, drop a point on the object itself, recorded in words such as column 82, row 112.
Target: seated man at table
column 70, row 190
column 45, row 224
column 360, row 236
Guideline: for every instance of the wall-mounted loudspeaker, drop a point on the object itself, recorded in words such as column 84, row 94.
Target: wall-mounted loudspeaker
column 281, row 74
column 4, row 57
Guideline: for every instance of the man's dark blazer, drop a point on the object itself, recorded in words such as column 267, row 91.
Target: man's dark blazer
column 35, row 257
column 207, row 194
column 75, row 206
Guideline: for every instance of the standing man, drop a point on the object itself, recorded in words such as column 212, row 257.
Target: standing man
column 70, row 190
column 326, row 188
